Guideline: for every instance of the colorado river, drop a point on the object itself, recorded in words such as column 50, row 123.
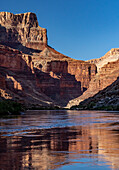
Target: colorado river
column 61, row 140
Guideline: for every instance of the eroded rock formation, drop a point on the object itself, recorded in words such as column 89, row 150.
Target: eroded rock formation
column 21, row 29
column 105, row 77
column 15, row 60
column 83, row 71
column 110, row 56
column 107, row 98
column 32, row 70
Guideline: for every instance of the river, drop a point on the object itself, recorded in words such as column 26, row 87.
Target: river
column 61, row 140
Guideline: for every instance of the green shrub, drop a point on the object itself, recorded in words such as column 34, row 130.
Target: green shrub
column 10, row 107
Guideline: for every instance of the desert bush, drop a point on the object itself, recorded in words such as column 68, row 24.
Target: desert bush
column 10, row 107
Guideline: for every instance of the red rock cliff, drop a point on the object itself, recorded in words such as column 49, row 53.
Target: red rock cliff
column 107, row 75
column 22, row 28
column 15, row 60
column 38, row 68
column 110, row 56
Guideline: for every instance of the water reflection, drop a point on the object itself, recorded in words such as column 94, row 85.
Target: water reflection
column 60, row 140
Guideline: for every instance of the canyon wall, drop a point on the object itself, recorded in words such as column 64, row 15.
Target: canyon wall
column 110, row 56
column 105, row 77
column 108, row 98
column 15, row 60
column 31, row 66
column 83, row 71
column 21, row 29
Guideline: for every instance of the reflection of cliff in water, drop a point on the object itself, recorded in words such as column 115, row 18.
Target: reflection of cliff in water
column 108, row 144
column 52, row 148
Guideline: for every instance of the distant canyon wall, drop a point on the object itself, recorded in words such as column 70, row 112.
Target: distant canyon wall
column 105, row 77
column 110, row 56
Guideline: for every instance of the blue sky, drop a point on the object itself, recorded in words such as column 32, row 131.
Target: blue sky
column 81, row 29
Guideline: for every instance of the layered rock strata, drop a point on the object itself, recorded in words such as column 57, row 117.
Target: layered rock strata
column 32, row 68
column 110, row 56
column 17, row 78
column 83, row 71
column 107, row 75
column 107, row 98
column 15, row 60
column 21, row 29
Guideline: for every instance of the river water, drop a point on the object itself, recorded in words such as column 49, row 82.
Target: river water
column 61, row 140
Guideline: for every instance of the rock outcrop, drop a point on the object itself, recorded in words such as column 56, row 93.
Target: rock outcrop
column 110, row 56
column 107, row 75
column 21, row 30
column 32, row 70
column 107, row 98
column 15, row 60
column 83, row 71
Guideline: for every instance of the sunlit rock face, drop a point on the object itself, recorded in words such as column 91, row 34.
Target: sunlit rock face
column 105, row 77
column 83, row 71
column 23, row 29
column 24, row 51
column 17, row 78
column 15, row 60
column 110, row 56
column 106, row 98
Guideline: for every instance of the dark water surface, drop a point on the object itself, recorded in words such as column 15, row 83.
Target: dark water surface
column 62, row 140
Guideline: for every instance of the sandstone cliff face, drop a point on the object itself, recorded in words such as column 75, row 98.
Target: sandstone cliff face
column 106, row 98
column 83, row 71
column 110, row 56
column 15, row 60
column 22, row 29
column 60, row 86
column 21, row 86
column 34, row 72
column 107, row 75
column 32, row 68
column 17, row 78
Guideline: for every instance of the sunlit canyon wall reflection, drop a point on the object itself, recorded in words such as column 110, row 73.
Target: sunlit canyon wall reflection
column 56, row 146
